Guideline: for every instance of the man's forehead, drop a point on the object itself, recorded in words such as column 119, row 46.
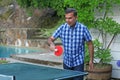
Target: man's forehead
column 69, row 14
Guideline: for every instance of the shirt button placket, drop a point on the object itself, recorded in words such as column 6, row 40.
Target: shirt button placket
column 72, row 40
column 72, row 47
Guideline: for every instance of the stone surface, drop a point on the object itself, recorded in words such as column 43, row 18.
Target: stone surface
column 40, row 58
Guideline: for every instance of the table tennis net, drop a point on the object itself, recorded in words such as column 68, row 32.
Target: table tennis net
column 7, row 77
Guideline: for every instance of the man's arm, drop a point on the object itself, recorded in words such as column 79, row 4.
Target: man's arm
column 91, row 52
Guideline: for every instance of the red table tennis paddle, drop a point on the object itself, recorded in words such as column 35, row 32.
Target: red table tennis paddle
column 58, row 50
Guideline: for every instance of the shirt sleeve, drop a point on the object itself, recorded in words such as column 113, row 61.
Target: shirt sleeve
column 57, row 33
column 87, row 34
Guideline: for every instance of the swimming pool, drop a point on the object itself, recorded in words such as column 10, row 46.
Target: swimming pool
column 6, row 51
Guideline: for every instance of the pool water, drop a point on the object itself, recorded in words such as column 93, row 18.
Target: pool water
column 6, row 51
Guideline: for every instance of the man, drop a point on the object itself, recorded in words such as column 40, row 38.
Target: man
column 73, row 36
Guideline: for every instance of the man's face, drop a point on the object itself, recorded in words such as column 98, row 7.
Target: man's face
column 70, row 18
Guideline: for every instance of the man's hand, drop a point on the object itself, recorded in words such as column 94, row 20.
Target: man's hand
column 52, row 47
column 50, row 42
column 91, row 65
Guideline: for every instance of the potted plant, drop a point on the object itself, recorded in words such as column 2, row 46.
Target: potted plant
column 102, row 69
column 107, row 29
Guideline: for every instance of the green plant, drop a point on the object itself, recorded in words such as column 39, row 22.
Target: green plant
column 102, row 55
column 105, row 26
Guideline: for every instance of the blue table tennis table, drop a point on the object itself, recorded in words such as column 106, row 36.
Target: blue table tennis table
column 24, row 71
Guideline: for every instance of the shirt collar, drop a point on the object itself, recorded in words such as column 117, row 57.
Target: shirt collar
column 73, row 27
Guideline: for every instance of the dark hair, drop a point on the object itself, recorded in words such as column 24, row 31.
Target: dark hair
column 69, row 10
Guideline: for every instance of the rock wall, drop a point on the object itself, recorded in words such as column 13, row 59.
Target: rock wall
column 15, row 24
column 18, row 37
